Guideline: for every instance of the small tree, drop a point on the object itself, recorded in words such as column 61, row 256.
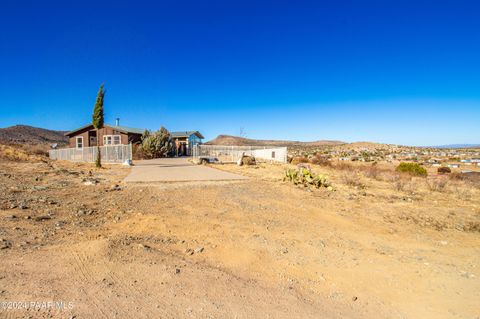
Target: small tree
column 148, row 144
column 158, row 144
column 164, row 142
column 98, row 120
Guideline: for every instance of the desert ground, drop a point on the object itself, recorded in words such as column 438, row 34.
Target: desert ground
column 378, row 246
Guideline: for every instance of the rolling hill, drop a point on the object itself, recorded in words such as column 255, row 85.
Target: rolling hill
column 229, row 140
column 24, row 134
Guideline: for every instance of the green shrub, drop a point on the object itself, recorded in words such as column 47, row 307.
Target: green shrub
column 158, row 144
column 412, row 169
column 304, row 176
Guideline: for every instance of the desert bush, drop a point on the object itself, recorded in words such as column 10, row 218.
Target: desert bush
column 158, row 144
column 372, row 171
column 456, row 176
column 17, row 153
column 437, row 184
column 41, row 150
column 299, row 159
column 463, row 191
column 248, row 160
column 399, row 182
column 137, row 152
column 353, row 179
column 444, row 170
column 411, row 168
column 472, row 179
column 304, row 176
column 321, row 161
column 344, row 166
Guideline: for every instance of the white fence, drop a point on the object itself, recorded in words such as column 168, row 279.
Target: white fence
column 230, row 154
column 109, row 154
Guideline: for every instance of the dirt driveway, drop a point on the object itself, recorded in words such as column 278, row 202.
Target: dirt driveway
column 176, row 170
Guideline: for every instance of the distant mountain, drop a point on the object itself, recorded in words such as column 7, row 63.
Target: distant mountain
column 458, row 146
column 24, row 134
column 229, row 140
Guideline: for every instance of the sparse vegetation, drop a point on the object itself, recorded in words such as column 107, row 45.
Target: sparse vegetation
column 353, row 179
column 399, row 182
column 373, row 225
column 317, row 159
column 471, row 179
column 299, row 159
column 437, row 184
column 413, row 169
column 12, row 153
column 372, row 171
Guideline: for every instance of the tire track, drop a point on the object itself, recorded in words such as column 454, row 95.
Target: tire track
column 80, row 268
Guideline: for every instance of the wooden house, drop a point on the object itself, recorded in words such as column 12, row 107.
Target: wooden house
column 86, row 136
column 185, row 140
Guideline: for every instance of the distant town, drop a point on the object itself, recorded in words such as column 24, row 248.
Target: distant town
column 464, row 158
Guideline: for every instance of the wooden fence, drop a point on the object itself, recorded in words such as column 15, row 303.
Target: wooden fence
column 109, row 154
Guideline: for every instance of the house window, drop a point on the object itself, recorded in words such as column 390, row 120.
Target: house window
column 79, row 142
column 111, row 139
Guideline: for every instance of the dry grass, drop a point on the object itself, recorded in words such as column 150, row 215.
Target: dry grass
column 299, row 159
column 472, row 179
column 40, row 150
column 462, row 191
column 372, row 172
column 23, row 152
column 344, row 166
column 318, row 160
column 437, row 184
column 401, row 182
column 13, row 153
column 353, row 179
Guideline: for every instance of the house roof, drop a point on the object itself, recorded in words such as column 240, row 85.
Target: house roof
column 186, row 134
column 77, row 129
column 128, row 129
column 124, row 129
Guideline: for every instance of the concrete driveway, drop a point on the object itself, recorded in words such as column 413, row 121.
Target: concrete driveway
column 176, row 170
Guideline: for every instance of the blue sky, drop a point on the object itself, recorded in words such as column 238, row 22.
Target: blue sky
column 405, row 72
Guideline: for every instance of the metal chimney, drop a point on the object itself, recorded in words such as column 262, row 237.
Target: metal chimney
column 117, row 121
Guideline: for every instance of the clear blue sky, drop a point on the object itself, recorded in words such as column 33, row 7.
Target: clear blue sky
column 404, row 72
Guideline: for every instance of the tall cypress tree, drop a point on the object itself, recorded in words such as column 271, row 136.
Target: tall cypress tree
column 97, row 121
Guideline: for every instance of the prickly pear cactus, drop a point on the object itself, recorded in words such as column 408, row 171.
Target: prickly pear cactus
column 304, row 176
